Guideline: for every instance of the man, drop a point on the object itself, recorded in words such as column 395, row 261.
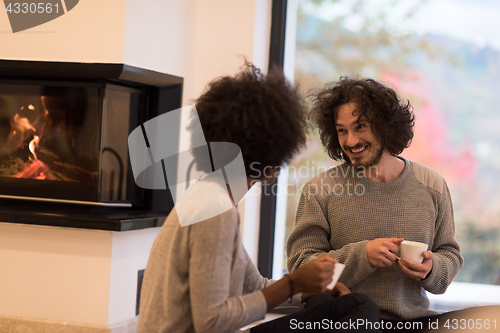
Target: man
column 199, row 277
column 359, row 212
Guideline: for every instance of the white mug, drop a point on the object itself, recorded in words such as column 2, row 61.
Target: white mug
column 412, row 250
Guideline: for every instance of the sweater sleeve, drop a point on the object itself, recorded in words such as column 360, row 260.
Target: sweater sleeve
column 311, row 239
column 254, row 282
column 212, row 243
column 446, row 261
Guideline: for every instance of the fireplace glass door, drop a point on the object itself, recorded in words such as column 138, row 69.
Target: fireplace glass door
column 67, row 141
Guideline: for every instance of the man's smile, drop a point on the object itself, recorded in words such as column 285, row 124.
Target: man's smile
column 357, row 150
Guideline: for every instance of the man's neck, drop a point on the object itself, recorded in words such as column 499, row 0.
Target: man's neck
column 388, row 169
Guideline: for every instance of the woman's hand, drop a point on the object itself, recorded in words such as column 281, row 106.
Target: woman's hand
column 339, row 290
column 310, row 279
column 314, row 276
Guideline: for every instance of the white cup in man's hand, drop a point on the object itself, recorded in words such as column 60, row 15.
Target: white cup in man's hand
column 412, row 250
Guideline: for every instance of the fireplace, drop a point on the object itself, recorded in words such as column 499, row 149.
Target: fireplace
column 64, row 130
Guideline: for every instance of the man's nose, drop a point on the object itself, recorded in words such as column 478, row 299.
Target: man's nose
column 352, row 139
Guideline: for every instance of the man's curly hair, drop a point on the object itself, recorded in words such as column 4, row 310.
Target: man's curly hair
column 391, row 120
column 263, row 114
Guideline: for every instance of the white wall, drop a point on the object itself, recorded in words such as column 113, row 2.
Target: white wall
column 65, row 274
column 249, row 208
column 198, row 40
column 71, row 275
column 225, row 30
column 129, row 254
column 161, row 36
column 60, row 274
column 90, row 32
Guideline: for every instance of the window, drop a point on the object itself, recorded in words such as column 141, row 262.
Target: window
column 442, row 55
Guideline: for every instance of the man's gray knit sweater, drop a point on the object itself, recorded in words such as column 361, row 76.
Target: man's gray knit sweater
column 340, row 210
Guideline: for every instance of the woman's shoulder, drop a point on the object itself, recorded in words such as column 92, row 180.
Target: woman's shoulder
column 204, row 201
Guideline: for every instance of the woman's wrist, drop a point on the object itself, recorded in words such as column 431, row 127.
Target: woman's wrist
column 291, row 283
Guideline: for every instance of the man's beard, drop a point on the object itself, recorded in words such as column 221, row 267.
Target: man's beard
column 370, row 163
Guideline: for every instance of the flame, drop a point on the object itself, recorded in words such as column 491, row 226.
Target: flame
column 33, row 144
column 21, row 131
column 35, row 169
column 20, row 127
column 24, row 123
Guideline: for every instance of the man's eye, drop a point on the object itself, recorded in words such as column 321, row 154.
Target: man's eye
column 340, row 130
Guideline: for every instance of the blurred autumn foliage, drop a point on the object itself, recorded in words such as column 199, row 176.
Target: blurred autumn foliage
column 452, row 86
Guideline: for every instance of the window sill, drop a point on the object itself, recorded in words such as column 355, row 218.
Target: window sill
column 462, row 295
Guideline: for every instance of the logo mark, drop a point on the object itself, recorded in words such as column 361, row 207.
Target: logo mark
column 206, row 176
column 26, row 14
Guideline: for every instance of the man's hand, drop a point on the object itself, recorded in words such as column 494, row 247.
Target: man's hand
column 381, row 251
column 415, row 270
column 314, row 276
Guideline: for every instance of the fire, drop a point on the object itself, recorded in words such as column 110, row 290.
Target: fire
column 20, row 131
column 21, row 127
column 33, row 144
column 23, row 123
column 36, row 169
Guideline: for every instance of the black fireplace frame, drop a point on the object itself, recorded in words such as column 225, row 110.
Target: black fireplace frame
column 164, row 94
